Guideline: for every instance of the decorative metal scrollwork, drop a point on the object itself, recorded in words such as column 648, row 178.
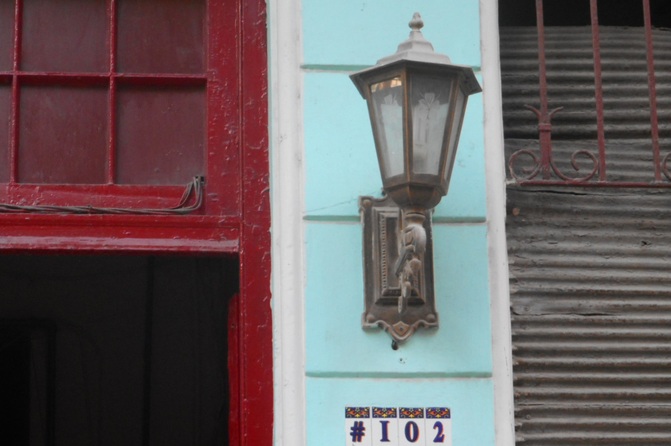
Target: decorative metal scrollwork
column 665, row 167
column 529, row 172
column 545, row 164
column 398, row 264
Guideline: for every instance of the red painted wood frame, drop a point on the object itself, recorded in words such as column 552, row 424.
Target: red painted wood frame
column 234, row 218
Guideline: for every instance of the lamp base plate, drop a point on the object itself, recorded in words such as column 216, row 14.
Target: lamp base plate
column 381, row 220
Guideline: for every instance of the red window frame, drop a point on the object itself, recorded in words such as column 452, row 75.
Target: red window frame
column 234, row 218
column 215, row 227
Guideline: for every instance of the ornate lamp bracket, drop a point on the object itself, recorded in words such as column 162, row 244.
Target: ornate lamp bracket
column 398, row 268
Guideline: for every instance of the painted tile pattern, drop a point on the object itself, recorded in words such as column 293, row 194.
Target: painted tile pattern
column 391, row 426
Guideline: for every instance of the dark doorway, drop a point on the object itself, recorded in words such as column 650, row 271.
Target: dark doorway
column 114, row 350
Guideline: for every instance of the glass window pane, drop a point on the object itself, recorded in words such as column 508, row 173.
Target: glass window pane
column 6, row 34
column 161, row 36
column 430, row 102
column 63, row 135
column 388, row 105
column 5, row 108
column 455, row 130
column 65, row 35
column 161, row 135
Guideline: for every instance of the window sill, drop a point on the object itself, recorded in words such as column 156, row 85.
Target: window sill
column 120, row 233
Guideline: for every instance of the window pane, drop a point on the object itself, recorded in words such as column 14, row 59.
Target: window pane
column 5, row 107
column 6, row 34
column 429, row 105
column 455, row 131
column 161, row 135
column 65, row 35
column 63, row 135
column 161, row 36
column 388, row 104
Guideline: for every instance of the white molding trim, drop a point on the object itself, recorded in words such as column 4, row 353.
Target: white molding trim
column 286, row 184
column 504, row 406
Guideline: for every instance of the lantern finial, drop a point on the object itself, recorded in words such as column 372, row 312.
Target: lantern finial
column 416, row 47
column 416, row 24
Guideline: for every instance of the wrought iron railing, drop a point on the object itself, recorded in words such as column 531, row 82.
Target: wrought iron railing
column 587, row 165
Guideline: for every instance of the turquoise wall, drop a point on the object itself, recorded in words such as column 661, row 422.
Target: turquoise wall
column 346, row 366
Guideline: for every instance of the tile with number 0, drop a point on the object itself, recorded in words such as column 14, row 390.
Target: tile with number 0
column 411, row 426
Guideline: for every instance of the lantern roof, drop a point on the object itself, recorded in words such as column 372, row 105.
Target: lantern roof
column 417, row 49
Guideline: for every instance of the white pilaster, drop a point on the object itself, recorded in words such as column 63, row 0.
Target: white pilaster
column 286, row 145
column 496, row 215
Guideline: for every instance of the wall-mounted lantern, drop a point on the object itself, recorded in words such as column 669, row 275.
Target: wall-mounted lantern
column 416, row 101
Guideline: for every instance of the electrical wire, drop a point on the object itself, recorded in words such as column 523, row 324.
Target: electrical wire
column 194, row 188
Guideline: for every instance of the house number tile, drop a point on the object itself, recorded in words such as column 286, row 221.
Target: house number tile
column 397, row 426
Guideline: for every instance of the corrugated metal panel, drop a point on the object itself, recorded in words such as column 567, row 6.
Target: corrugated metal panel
column 590, row 268
column 591, row 315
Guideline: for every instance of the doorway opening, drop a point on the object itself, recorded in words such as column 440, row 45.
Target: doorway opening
column 110, row 350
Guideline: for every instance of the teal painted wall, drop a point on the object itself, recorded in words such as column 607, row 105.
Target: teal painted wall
column 346, row 365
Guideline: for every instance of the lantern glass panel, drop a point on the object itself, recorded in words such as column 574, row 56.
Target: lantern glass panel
column 387, row 97
column 430, row 103
column 459, row 109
